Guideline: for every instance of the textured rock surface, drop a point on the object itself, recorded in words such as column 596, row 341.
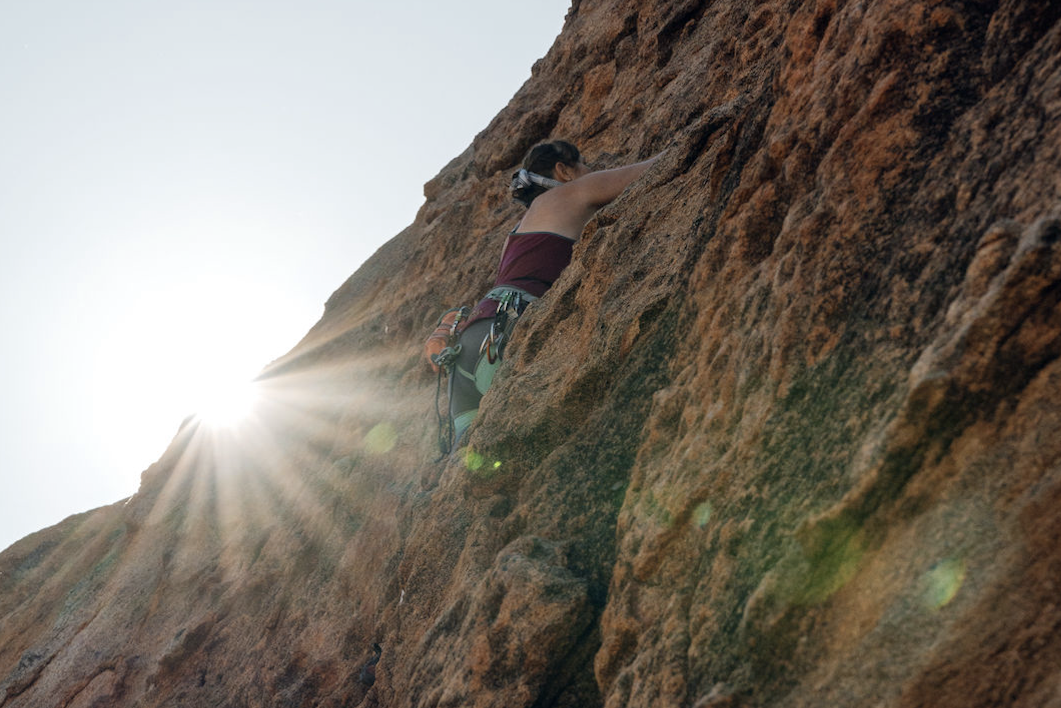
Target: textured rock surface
column 785, row 433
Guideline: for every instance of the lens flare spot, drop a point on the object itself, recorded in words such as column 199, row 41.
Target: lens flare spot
column 835, row 558
column 702, row 514
column 381, row 439
column 473, row 460
column 943, row 582
column 480, row 466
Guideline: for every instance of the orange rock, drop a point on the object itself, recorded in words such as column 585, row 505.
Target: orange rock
column 784, row 434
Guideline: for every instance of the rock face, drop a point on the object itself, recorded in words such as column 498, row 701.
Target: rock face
column 786, row 432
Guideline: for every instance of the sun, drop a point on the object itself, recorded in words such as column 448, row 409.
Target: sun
column 226, row 404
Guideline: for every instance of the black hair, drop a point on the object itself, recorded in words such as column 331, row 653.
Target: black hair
column 541, row 160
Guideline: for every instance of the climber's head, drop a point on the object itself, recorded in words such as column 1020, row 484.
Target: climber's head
column 551, row 159
column 545, row 166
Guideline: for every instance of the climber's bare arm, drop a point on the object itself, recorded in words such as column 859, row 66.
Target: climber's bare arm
column 566, row 209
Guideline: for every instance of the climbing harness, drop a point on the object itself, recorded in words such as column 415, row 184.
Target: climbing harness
column 511, row 302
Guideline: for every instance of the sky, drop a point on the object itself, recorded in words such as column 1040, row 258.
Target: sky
column 183, row 185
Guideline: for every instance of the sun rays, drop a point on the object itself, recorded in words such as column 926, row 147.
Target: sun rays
column 281, row 460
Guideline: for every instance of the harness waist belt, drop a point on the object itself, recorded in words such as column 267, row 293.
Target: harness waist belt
column 500, row 291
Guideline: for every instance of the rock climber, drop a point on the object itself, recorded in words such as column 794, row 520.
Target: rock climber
column 562, row 194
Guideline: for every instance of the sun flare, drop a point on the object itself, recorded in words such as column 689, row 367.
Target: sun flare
column 227, row 404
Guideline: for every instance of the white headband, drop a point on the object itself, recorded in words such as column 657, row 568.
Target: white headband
column 525, row 178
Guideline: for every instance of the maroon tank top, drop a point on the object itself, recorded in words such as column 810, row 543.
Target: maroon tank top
column 532, row 262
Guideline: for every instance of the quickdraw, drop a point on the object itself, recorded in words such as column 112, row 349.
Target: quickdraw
column 510, row 305
column 446, row 360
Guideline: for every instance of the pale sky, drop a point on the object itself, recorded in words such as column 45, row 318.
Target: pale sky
column 183, row 185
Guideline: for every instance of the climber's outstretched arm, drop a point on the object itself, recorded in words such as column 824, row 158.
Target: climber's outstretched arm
column 567, row 209
column 600, row 188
